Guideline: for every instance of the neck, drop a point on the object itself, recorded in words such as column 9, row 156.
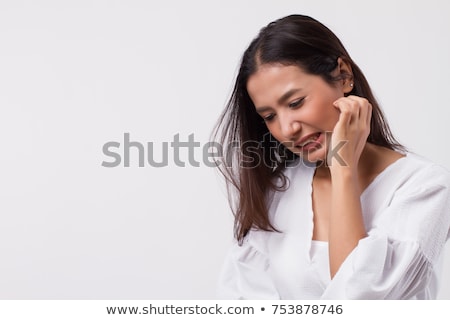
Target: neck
column 374, row 159
column 366, row 163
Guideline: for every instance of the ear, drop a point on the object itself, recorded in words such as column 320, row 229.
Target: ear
column 345, row 73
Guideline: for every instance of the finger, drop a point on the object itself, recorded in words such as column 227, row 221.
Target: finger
column 369, row 115
column 349, row 110
column 344, row 111
column 363, row 105
column 365, row 112
column 363, row 123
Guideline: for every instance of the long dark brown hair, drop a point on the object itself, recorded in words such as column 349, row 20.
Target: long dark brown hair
column 253, row 158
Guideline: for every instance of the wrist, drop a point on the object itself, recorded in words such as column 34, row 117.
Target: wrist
column 344, row 177
column 343, row 171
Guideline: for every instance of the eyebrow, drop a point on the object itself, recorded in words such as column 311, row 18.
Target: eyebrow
column 282, row 99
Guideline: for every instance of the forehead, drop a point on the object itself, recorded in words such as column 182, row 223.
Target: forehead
column 270, row 82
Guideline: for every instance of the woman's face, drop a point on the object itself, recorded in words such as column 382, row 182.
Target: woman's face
column 297, row 107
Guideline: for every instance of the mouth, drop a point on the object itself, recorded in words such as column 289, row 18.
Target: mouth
column 310, row 141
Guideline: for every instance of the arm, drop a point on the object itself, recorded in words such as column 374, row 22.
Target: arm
column 346, row 220
column 400, row 257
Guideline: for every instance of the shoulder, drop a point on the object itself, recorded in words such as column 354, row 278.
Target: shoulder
column 412, row 186
column 420, row 172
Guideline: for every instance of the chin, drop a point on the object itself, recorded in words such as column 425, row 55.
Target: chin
column 313, row 157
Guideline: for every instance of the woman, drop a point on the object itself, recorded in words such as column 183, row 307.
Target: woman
column 328, row 205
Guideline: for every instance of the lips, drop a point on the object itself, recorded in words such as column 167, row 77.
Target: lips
column 307, row 139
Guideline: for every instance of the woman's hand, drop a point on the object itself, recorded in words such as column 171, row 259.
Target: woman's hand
column 350, row 133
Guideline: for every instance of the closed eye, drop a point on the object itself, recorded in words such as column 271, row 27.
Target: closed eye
column 268, row 118
column 296, row 103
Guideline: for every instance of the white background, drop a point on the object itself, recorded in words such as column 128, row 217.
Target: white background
column 77, row 74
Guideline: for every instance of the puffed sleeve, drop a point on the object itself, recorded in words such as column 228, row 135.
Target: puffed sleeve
column 244, row 274
column 397, row 258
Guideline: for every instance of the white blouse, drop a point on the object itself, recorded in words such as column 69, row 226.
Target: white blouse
column 406, row 213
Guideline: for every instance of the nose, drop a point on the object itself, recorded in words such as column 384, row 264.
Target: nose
column 290, row 127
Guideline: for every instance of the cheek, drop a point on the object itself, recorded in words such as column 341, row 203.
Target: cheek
column 327, row 114
column 274, row 130
column 322, row 117
column 332, row 119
